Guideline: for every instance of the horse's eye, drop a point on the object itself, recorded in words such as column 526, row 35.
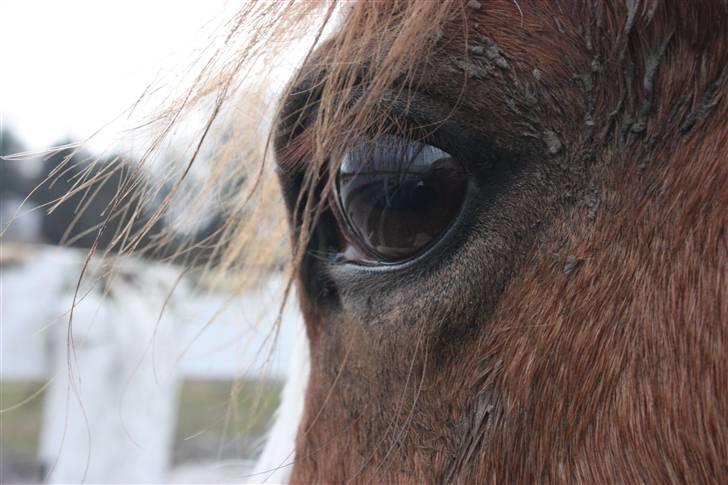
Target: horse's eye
column 397, row 197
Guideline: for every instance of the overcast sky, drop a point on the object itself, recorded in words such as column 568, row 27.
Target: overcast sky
column 70, row 66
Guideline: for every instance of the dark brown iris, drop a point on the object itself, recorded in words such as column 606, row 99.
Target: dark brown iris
column 397, row 197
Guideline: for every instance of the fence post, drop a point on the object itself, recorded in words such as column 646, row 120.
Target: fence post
column 110, row 411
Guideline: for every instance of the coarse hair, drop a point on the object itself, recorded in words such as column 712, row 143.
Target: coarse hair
column 378, row 45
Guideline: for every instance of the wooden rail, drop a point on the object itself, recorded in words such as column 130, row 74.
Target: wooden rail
column 137, row 331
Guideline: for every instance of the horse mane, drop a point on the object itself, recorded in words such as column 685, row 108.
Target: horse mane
column 235, row 144
column 383, row 45
column 377, row 44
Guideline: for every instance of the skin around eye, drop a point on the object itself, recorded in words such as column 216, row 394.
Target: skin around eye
column 397, row 197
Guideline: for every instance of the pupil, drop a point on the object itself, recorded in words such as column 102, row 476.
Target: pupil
column 398, row 196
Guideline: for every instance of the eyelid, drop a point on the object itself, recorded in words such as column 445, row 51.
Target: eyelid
column 415, row 153
column 293, row 155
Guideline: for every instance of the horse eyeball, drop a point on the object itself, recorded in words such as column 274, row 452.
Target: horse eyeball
column 397, row 197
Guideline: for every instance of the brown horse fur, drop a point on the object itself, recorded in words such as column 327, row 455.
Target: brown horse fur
column 576, row 330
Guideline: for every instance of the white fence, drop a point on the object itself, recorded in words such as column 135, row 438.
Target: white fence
column 110, row 406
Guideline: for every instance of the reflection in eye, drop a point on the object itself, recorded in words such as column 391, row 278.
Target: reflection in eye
column 398, row 196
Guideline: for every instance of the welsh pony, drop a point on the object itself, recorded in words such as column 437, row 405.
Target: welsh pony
column 509, row 229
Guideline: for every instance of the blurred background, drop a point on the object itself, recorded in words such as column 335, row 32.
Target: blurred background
column 128, row 366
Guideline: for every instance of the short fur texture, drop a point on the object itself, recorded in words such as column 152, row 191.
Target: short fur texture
column 576, row 331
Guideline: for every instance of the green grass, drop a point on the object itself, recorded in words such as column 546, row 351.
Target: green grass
column 223, row 419
column 216, row 419
column 247, row 404
column 20, row 425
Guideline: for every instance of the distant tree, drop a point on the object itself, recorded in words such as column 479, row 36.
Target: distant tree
column 11, row 181
column 109, row 202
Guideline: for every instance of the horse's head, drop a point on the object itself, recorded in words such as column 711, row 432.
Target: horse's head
column 511, row 222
